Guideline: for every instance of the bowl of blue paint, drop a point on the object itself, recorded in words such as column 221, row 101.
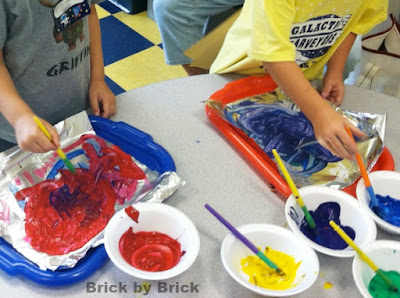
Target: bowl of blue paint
column 386, row 255
column 325, row 204
column 386, row 213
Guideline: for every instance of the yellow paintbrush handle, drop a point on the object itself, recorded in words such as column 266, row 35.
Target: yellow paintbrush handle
column 46, row 132
column 351, row 243
column 61, row 153
column 288, row 178
column 42, row 128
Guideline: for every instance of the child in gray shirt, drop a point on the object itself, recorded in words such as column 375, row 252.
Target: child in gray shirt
column 51, row 64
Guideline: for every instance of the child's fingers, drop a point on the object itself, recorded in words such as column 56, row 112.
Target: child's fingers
column 326, row 90
column 348, row 144
column 95, row 105
column 54, row 136
column 355, row 130
column 339, row 148
column 109, row 108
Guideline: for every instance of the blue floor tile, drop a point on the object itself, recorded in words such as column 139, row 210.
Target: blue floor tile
column 111, row 8
column 119, row 41
column 115, row 88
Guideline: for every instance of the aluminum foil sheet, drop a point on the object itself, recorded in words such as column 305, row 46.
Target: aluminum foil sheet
column 19, row 170
column 272, row 120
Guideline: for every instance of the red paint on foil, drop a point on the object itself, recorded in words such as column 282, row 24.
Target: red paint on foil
column 63, row 214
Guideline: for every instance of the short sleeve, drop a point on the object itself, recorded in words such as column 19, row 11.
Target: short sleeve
column 272, row 23
column 3, row 24
column 375, row 13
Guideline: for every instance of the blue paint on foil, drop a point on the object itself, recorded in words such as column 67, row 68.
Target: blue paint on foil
column 287, row 130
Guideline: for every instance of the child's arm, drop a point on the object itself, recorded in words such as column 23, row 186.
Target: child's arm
column 333, row 81
column 20, row 116
column 102, row 100
column 329, row 126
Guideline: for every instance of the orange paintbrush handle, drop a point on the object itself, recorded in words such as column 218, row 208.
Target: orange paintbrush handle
column 360, row 162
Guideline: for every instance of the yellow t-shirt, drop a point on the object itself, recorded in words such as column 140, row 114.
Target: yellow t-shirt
column 305, row 31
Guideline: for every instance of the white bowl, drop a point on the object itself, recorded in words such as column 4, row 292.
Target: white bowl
column 350, row 215
column 384, row 183
column 278, row 238
column 384, row 253
column 157, row 217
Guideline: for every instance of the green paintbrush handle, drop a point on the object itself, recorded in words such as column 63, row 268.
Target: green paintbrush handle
column 308, row 217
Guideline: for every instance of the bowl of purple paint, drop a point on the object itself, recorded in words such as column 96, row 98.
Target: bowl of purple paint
column 386, row 255
column 325, row 204
column 386, row 213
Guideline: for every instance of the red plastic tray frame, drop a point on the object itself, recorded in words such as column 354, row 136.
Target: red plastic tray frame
column 253, row 153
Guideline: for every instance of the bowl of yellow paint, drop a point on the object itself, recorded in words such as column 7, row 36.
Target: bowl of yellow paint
column 325, row 204
column 298, row 262
column 386, row 255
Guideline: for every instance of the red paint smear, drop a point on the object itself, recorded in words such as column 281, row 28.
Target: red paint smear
column 64, row 214
column 42, row 171
column 18, row 181
column 132, row 213
column 29, row 177
column 150, row 251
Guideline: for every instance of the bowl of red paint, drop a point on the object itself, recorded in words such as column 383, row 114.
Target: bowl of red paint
column 325, row 204
column 386, row 256
column 151, row 241
column 387, row 191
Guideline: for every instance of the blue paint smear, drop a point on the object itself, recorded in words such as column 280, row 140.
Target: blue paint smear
column 388, row 209
column 61, row 165
column 288, row 131
column 323, row 234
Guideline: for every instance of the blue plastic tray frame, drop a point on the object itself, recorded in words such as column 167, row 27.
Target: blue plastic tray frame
column 132, row 141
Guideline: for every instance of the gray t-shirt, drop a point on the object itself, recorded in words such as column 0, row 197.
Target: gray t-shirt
column 50, row 68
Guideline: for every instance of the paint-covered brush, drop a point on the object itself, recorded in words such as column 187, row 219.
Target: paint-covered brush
column 310, row 221
column 58, row 150
column 363, row 256
column 364, row 173
column 243, row 239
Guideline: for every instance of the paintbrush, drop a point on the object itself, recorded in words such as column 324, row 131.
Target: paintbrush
column 243, row 239
column 58, row 150
column 310, row 221
column 364, row 173
column 363, row 256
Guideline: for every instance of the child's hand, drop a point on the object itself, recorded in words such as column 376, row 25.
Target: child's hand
column 31, row 138
column 101, row 98
column 329, row 128
column 333, row 89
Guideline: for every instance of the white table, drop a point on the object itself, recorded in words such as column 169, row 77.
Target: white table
column 173, row 113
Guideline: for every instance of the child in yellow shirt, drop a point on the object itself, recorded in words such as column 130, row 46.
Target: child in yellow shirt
column 293, row 40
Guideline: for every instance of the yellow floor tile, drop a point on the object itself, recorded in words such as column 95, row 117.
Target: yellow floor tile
column 142, row 24
column 101, row 12
column 143, row 68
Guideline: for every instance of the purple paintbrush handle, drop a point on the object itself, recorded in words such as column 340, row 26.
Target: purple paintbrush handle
column 231, row 228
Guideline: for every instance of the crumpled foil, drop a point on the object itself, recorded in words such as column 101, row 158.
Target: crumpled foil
column 16, row 173
column 272, row 120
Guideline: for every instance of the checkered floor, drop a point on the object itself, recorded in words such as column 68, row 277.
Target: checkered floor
column 132, row 50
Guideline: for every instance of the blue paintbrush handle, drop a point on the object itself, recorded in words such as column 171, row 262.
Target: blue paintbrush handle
column 372, row 196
